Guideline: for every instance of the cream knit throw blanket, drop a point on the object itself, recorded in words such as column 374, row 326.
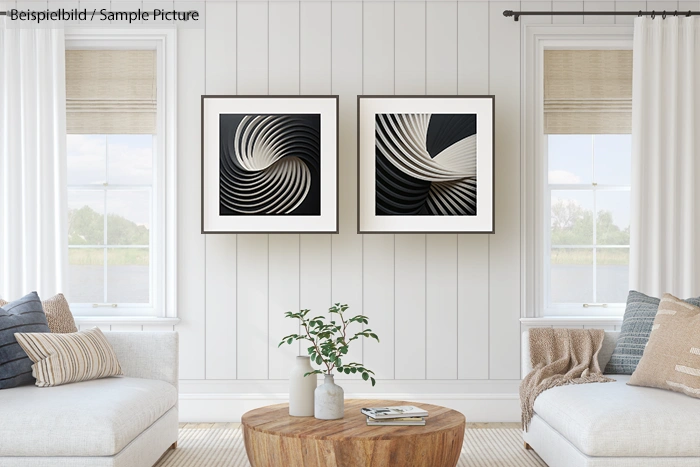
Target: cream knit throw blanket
column 560, row 357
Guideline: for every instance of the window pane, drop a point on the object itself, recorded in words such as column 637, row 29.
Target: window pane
column 128, row 275
column 86, row 217
column 612, row 275
column 130, row 159
column 86, row 159
column 128, row 218
column 613, row 219
column 571, row 275
column 613, row 156
column 86, row 275
column 572, row 217
column 570, row 159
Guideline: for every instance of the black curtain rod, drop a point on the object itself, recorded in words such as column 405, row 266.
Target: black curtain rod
column 517, row 14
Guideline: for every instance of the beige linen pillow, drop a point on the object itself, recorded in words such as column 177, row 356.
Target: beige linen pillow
column 68, row 358
column 671, row 359
column 57, row 313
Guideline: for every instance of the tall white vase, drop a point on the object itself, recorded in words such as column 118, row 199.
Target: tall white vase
column 330, row 400
column 301, row 389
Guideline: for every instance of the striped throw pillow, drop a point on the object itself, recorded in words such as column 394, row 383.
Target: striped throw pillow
column 672, row 357
column 68, row 358
column 634, row 335
column 23, row 315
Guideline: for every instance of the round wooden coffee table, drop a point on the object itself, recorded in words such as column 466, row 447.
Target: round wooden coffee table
column 273, row 438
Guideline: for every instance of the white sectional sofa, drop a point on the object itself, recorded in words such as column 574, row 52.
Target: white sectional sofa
column 612, row 424
column 125, row 421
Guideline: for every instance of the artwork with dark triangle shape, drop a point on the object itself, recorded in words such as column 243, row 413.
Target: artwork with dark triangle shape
column 426, row 164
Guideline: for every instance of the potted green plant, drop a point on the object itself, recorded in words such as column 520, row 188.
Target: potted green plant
column 330, row 339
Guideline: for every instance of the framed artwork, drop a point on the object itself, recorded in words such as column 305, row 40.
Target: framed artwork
column 425, row 164
column 269, row 164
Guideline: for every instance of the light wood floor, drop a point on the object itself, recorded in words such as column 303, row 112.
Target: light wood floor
column 206, row 426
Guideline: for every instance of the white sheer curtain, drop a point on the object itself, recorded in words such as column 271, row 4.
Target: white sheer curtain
column 33, row 204
column 665, row 230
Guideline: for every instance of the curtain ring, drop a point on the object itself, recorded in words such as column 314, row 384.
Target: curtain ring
column 640, row 14
column 653, row 14
column 675, row 13
column 663, row 16
column 688, row 15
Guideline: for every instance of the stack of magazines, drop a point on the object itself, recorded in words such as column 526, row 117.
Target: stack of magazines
column 403, row 415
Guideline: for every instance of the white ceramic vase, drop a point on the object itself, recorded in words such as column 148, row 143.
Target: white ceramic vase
column 329, row 400
column 301, row 389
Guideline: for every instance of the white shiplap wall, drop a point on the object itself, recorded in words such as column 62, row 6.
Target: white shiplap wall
column 447, row 307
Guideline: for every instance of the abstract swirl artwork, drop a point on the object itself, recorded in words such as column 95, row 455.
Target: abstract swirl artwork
column 426, row 164
column 269, row 164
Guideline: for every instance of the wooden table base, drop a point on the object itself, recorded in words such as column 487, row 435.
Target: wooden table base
column 272, row 439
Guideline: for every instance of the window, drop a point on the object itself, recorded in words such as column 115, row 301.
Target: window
column 585, row 149
column 121, row 173
column 588, row 195
column 110, row 220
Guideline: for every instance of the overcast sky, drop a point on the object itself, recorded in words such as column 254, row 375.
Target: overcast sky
column 118, row 160
column 572, row 159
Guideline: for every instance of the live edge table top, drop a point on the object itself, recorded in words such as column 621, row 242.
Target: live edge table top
column 273, row 438
column 275, row 420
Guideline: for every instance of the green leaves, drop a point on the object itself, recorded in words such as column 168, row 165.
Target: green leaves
column 330, row 340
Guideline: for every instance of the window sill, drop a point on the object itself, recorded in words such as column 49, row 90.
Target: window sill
column 572, row 321
column 137, row 320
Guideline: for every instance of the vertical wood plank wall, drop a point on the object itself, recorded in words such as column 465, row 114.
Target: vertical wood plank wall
column 447, row 307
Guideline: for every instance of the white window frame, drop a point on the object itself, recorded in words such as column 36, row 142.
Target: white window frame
column 163, row 246
column 534, row 177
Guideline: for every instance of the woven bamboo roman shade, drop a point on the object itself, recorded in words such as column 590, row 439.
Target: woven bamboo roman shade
column 587, row 91
column 111, row 91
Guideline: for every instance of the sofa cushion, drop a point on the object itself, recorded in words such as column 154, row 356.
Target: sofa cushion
column 69, row 357
column 90, row 418
column 617, row 420
column 672, row 357
column 22, row 315
column 636, row 326
column 58, row 314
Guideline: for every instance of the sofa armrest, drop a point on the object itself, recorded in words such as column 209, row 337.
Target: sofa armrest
column 606, row 351
column 525, row 364
column 150, row 355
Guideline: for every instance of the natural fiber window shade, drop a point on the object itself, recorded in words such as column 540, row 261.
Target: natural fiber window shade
column 111, row 91
column 587, row 91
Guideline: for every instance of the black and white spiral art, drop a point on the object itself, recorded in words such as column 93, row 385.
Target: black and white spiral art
column 269, row 164
column 426, row 164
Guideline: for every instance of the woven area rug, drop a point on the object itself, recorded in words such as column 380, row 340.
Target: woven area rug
column 223, row 447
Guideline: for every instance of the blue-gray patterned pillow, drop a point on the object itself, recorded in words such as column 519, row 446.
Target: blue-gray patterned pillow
column 636, row 326
column 23, row 315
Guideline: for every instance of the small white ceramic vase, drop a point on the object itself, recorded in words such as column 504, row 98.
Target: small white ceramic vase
column 301, row 389
column 329, row 400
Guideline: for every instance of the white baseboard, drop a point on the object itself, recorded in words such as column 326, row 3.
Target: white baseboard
column 229, row 407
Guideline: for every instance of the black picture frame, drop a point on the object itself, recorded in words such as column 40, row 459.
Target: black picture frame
column 328, row 219
column 364, row 156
